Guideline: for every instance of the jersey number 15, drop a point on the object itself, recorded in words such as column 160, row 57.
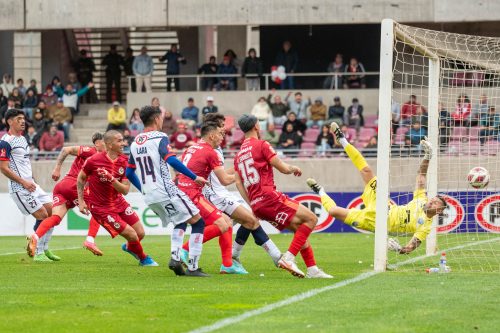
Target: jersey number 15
column 249, row 173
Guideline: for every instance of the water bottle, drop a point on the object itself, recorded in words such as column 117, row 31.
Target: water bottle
column 442, row 264
column 432, row 270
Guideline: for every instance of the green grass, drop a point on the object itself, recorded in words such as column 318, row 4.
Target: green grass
column 84, row 293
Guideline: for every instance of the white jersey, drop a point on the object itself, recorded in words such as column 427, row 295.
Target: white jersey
column 214, row 186
column 16, row 150
column 148, row 155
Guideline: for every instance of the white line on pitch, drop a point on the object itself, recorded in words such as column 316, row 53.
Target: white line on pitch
column 60, row 249
column 311, row 293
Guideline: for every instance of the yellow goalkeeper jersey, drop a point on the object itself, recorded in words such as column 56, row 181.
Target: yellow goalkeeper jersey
column 411, row 218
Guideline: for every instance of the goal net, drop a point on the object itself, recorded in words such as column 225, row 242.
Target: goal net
column 444, row 86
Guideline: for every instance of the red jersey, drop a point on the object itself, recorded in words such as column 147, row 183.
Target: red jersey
column 84, row 152
column 102, row 195
column 200, row 158
column 253, row 164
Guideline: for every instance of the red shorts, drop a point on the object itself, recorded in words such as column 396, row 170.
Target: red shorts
column 208, row 211
column 279, row 210
column 65, row 193
column 113, row 220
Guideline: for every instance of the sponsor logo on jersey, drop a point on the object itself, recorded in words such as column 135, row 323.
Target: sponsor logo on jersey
column 86, row 149
column 313, row 202
column 55, row 199
column 3, row 153
column 141, row 139
column 451, row 217
column 487, row 213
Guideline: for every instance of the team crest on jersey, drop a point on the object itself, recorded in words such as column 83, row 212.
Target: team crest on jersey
column 129, row 211
column 281, row 217
column 55, row 200
column 120, row 171
column 141, row 139
column 86, row 149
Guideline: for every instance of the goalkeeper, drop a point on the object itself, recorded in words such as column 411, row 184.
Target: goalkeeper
column 413, row 218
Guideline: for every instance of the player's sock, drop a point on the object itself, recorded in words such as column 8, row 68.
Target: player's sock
column 37, row 224
column 40, row 245
column 308, row 256
column 196, row 244
column 272, row 250
column 46, row 224
column 210, row 232
column 47, row 238
column 176, row 243
column 93, row 230
column 327, row 202
column 357, row 159
column 239, row 242
column 343, row 142
column 299, row 239
column 136, row 248
column 225, row 241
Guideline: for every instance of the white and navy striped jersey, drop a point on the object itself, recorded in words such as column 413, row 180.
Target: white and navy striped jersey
column 148, row 155
column 16, row 150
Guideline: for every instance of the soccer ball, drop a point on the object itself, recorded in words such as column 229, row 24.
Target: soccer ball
column 478, row 177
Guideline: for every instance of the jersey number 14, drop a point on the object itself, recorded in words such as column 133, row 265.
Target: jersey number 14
column 146, row 166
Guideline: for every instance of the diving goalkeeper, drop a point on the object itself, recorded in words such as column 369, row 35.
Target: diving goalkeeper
column 413, row 218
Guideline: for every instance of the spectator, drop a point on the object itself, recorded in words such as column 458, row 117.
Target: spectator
column 461, row 116
column 128, row 139
column 317, row 113
column 252, row 70
column 422, row 117
column 370, row 148
column 233, row 58
column 289, row 138
column 128, row 68
column 336, row 111
column 61, row 117
column 56, row 84
column 271, row 135
column 210, row 68
column 299, row 106
column 135, row 122
column 21, row 87
column 356, row 76
column 7, row 84
column 42, row 106
column 324, row 141
column 73, row 81
column 226, row 82
column 156, row 103
column 395, row 116
column 337, row 66
column 30, row 102
column 409, row 109
column 143, row 70
column 33, row 87
column 174, row 60
column 444, row 126
column 298, row 126
column 32, row 137
column 210, row 107
column 3, row 98
column 40, row 123
column 49, row 97
column 354, row 115
column 289, row 59
column 18, row 98
column 190, row 113
column 113, row 63
column 278, row 109
column 11, row 104
column 70, row 96
column 489, row 126
column 263, row 112
column 84, row 68
column 415, row 134
column 52, row 140
column 117, row 117
column 181, row 138
column 479, row 110
column 169, row 124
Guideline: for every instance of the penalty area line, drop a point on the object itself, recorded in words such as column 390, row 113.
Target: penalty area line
column 313, row 292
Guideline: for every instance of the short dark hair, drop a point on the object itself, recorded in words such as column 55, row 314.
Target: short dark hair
column 96, row 136
column 12, row 113
column 148, row 114
column 214, row 118
column 298, row 93
column 443, row 200
column 208, row 127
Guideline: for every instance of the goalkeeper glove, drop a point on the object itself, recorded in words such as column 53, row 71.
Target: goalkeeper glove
column 105, row 176
column 427, row 147
column 393, row 245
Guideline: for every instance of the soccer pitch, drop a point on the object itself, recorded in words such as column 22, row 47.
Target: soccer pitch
column 84, row 293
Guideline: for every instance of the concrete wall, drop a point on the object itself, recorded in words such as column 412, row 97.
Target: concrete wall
column 96, row 13
column 337, row 175
column 6, row 52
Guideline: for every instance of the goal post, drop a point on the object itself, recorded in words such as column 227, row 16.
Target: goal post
column 445, row 86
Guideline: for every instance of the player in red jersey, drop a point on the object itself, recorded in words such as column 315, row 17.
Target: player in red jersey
column 65, row 196
column 255, row 181
column 202, row 159
column 105, row 174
